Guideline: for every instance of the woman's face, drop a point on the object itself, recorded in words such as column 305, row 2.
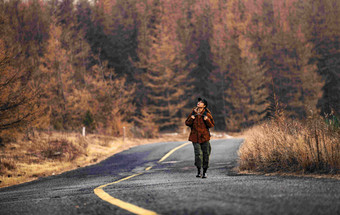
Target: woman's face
column 200, row 104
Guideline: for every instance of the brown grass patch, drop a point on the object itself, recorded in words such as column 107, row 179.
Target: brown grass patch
column 290, row 146
column 53, row 153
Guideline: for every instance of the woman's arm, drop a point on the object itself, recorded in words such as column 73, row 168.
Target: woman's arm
column 190, row 120
column 209, row 121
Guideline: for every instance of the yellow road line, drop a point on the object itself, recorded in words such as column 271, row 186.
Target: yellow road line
column 124, row 205
column 148, row 168
column 115, row 182
column 172, row 151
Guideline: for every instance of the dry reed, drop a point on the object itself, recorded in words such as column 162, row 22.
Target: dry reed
column 286, row 145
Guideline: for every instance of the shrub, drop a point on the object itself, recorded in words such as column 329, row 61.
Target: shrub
column 63, row 149
column 6, row 164
column 88, row 121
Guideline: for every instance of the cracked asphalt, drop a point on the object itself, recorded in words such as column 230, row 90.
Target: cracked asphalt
column 171, row 187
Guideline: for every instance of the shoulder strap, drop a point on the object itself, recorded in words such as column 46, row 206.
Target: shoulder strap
column 205, row 114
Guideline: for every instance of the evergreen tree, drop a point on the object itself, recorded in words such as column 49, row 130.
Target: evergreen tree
column 240, row 95
column 146, row 61
column 199, row 53
column 322, row 29
column 165, row 75
column 281, row 58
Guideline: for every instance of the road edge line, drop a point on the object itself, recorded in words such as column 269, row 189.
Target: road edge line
column 125, row 205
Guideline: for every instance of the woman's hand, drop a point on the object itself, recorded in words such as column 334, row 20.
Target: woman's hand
column 205, row 118
column 192, row 117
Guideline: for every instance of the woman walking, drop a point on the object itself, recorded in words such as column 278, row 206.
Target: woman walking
column 200, row 120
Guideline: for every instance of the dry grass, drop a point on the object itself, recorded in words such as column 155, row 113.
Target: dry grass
column 53, row 153
column 289, row 146
column 50, row 154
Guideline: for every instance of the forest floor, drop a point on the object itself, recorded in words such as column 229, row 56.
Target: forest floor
column 54, row 153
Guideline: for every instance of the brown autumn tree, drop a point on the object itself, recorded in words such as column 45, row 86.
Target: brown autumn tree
column 147, row 14
column 27, row 26
column 22, row 33
column 54, row 77
column 108, row 99
column 165, row 74
column 18, row 98
column 240, row 55
column 241, row 93
column 282, row 57
column 73, row 39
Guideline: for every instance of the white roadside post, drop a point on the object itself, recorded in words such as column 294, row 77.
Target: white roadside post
column 83, row 131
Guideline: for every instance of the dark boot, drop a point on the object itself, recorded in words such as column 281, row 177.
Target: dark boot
column 204, row 173
column 198, row 172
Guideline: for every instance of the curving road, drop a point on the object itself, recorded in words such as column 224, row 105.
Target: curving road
column 170, row 187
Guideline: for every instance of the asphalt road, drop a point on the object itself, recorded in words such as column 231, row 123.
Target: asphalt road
column 170, row 187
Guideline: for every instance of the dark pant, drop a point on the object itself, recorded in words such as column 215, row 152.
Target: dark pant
column 202, row 153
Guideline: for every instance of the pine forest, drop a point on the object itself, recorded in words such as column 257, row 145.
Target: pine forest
column 142, row 64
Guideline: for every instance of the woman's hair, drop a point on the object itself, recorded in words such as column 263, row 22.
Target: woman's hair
column 204, row 101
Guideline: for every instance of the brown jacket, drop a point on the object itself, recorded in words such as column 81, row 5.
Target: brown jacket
column 200, row 127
